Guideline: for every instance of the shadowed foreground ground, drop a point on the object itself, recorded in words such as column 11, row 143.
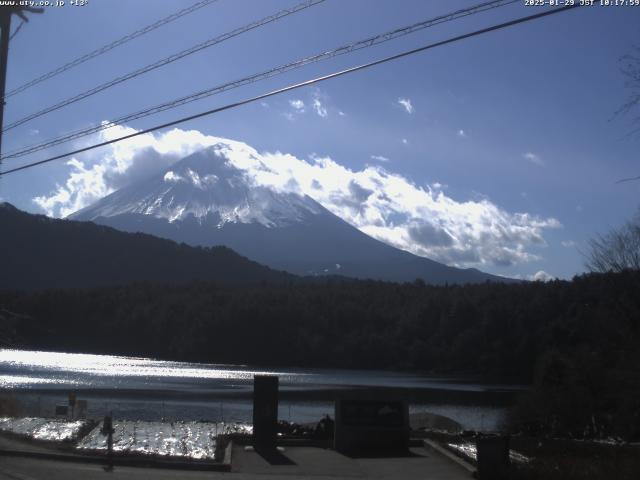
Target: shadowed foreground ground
column 307, row 462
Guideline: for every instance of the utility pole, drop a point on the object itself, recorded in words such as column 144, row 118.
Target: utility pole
column 5, row 36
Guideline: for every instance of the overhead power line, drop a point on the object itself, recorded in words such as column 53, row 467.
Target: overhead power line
column 166, row 61
column 18, row 28
column 345, row 49
column 300, row 85
column 110, row 46
column 631, row 179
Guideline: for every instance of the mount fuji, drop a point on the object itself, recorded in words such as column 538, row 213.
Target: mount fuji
column 206, row 200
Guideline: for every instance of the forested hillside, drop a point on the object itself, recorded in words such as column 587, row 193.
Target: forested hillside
column 494, row 328
column 41, row 252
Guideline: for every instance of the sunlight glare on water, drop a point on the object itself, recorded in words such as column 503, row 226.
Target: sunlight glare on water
column 107, row 365
column 15, row 381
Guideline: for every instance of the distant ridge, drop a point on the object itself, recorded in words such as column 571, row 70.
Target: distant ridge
column 40, row 252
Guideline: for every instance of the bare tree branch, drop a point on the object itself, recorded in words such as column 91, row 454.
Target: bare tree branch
column 631, row 70
column 617, row 250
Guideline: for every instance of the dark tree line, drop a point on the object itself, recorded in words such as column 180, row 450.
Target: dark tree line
column 496, row 328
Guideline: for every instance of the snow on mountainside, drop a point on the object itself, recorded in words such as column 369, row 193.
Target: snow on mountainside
column 210, row 198
column 201, row 185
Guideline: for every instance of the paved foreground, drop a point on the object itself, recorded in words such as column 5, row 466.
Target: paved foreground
column 296, row 463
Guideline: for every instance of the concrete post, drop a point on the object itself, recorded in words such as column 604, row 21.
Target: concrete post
column 265, row 411
column 493, row 457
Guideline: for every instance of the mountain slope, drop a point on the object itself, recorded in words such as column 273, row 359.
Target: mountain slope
column 40, row 252
column 205, row 200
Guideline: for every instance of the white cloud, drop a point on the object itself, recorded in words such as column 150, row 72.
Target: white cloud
column 541, row 276
column 383, row 204
column 341, row 113
column 462, row 133
column 103, row 171
column 404, row 141
column 84, row 186
column 297, row 105
column 379, row 158
column 34, row 131
column 568, row 243
column 533, row 158
column 264, row 104
column 317, row 102
column 319, row 108
column 406, row 104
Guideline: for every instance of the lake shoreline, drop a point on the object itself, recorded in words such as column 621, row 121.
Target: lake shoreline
column 151, row 389
column 412, row 395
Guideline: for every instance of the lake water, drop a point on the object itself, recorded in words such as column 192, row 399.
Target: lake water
column 147, row 389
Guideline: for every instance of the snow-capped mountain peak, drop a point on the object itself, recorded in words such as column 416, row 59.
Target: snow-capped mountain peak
column 206, row 185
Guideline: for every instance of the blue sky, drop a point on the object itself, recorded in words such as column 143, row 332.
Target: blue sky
column 518, row 123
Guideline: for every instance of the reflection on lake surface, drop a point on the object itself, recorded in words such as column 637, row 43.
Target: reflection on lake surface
column 142, row 388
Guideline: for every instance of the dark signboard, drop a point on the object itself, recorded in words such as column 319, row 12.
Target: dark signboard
column 371, row 413
column 366, row 427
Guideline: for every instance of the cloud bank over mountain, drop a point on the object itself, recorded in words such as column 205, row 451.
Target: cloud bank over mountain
column 385, row 205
